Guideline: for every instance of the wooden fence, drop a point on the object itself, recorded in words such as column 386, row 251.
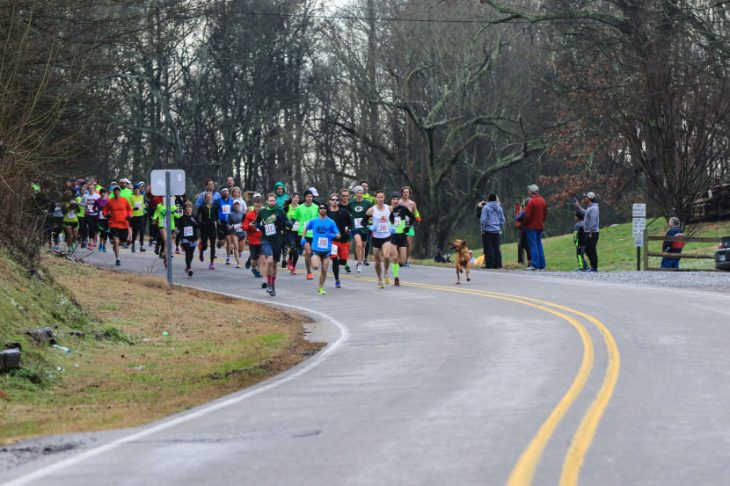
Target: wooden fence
column 678, row 256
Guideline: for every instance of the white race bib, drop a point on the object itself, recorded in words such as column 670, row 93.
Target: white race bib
column 333, row 250
column 90, row 207
column 322, row 242
column 295, row 226
column 137, row 205
column 396, row 221
column 226, row 209
column 382, row 227
column 238, row 228
column 270, row 229
column 71, row 215
column 187, row 231
column 358, row 223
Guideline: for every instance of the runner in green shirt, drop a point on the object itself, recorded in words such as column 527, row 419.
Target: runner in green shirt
column 136, row 200
column 273, row 223
column 303, row 215
column 160, row 218
column 359, row 209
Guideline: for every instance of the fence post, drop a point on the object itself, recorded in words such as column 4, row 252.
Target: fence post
column 646, row 251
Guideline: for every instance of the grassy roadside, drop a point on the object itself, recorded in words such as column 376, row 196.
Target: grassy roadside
column 616, row 250
column 146, row 353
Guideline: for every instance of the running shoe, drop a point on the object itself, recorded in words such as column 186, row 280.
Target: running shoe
column 256, row 273
column 293, row 271
column 338, row 285
column 202, row 257
column 211, row 266
column 190, row 272
column 263, row 285
column 119, row 262
column 347, row 268
column 157, row 249
column 365, row 262
column 83, row 244
column 228, row 260
column 387, row 281
column 177, row 251
column 358, row 268
column 152, row 242
column 238, row 265
column 380, row 284
column 272, row 291
column 321, row 291
column 396, row 282
column 124, row 245
column 141, row 248
column 283, row 264
column 310, row 276
column 134, row 249
column 248, row 264
column 406, row 265
column 289, row 265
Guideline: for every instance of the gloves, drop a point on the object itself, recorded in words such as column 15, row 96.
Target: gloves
column 373, row 228
column 303, row 242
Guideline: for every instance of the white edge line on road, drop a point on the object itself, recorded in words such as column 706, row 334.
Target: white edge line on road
column 204, row 409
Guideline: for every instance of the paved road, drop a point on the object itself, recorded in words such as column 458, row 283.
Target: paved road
column 519, row 378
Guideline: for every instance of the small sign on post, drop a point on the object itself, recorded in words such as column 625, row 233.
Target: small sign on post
column 168, row 183
column 638, row 229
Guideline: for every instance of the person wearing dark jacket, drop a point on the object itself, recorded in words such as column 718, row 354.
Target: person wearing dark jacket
column 579, row 240
column 590, row 226
column 491, row 224
column 207, row 217
column 675, row 231
column 188, row 227
column 533, row 219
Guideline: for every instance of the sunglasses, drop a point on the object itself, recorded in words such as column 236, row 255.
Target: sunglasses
column 334, row 199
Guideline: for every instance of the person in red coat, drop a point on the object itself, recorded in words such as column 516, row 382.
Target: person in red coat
column 119, row 213
column 534, row 223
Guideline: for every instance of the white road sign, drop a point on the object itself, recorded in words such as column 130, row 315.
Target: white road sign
column 638, row 210
column 637, row 230
column 177, row 182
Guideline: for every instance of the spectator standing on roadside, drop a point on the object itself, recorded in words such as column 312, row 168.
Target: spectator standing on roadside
column 491, row 223
column 590, row 227
column 674, row 231
column 533, row 220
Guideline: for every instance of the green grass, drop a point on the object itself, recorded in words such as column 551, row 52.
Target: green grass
column 616, row 250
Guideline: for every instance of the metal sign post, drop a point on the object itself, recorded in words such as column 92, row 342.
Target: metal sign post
column 168, row 183
column 638, row 229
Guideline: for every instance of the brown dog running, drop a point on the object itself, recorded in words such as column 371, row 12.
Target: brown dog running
column 461, row 262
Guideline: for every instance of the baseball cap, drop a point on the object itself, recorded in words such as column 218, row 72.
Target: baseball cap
column 591, row 195
column 115, row 188
column 138, row 185
column 358, row 189
column 313, row 192
column 125, row 180
column 224, row 189
column 257, row 195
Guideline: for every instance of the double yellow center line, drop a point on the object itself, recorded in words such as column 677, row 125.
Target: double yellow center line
column 524, row 470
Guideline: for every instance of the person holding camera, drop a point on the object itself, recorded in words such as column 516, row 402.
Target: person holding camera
column 590, row 227
column 491, row 223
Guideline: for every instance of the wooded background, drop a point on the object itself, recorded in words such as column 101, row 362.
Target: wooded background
column 453, row 98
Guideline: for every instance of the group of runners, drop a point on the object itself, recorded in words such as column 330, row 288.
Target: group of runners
column 277, row 228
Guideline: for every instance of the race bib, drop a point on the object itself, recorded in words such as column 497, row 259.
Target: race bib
column 295, row 226
column 333, row 250
column 188, row 231
column 238, row 228
column 90, row 207
column 396, row 221
column 358, row 223
column 382, row 227
column 270, row 229
column 138, row 205
column 322, row 242
column 226, row 209
column 71, row 215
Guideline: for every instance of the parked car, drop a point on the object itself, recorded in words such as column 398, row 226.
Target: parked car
column 722, row 256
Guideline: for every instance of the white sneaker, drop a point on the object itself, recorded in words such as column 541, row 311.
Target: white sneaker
column 358, row 268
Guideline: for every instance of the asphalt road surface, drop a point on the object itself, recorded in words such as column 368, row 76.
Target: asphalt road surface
column 512, row 378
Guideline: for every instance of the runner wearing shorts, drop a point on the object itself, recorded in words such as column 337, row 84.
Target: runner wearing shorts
column 401, row 218
column 323, row 230
column 273, row 223
column 340, row 245
column 302, row 215
column 359, row 209
column 405, row 200
column 119, row 213
column 102, row 224
column 381, row 228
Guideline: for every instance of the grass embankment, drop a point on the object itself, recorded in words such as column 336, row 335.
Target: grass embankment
column 146, row 353
column 616, row 250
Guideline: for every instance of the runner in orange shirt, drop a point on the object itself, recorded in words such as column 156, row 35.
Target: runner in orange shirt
column 119, row 213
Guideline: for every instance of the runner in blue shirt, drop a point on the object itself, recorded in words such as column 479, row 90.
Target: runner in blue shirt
column 323, row 230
